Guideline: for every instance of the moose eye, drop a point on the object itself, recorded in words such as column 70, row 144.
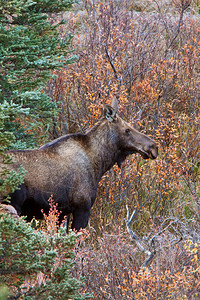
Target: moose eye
column 127, row 130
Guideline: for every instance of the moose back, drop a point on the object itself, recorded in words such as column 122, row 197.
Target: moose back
column 70, row 167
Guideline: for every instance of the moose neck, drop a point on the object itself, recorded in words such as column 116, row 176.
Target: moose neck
column 103, row 151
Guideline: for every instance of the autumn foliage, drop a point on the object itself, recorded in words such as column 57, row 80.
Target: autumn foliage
column 147, row 56
column 150, row 61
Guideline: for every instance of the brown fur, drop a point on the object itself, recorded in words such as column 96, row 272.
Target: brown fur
column 70, row 167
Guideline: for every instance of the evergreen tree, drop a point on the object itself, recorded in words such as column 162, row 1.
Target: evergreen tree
column 9, row 180
column 26, row 253
column 30, row 47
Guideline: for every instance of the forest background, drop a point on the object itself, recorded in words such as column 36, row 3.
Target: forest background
column 147, row 54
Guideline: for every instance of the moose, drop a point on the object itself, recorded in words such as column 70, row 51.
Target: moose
column 71, row 166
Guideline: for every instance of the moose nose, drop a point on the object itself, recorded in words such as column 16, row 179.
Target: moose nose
column 152, row 150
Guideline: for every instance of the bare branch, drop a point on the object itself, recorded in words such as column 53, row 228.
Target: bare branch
column 150, row 254
column 163, row 230
column 182, row 5
column 112, row 65
column 151, row 251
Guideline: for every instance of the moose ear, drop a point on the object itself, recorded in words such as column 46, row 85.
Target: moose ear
column 109, row 113
column 115, row 105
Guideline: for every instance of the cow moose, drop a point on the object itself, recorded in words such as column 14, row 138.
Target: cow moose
column 71, row 166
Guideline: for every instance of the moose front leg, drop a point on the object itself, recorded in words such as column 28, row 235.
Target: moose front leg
column 80, row 218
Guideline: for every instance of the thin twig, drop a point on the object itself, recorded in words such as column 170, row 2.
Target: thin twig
column 112, row 65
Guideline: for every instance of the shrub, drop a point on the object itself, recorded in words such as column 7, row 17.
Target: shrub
column 36, row 263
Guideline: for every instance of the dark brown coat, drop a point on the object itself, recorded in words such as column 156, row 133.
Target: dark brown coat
column 70, row 167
